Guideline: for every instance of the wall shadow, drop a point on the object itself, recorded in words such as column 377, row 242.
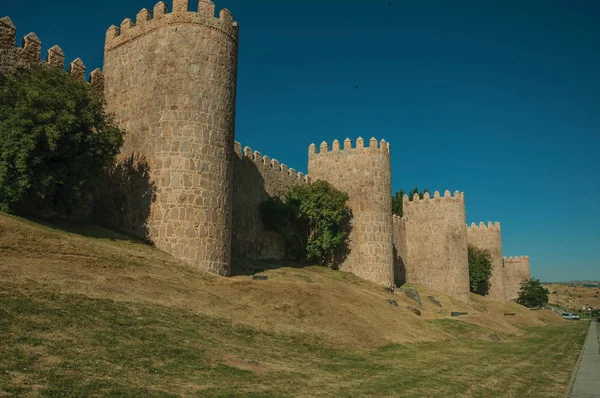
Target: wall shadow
column 124, row 196
column 399, row 268
column 249, row 237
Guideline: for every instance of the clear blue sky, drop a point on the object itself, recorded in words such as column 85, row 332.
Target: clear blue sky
column 499, row 99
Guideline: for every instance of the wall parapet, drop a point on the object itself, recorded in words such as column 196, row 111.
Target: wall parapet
column 482, row 225
column 146, row 22
column 29, row 54
column 382, row 146
column 268, row 162
column 458, row 196
column 515, row 259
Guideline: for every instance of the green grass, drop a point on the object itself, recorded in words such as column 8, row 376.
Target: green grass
column 66, row 345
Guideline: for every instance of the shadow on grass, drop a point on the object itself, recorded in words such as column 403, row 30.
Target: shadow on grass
column 85, row 229
column 248, row 267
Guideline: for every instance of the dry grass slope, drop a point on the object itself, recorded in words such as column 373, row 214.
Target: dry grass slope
column 89, row 312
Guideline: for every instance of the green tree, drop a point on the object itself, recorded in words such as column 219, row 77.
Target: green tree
column 480, row 270
column 397, row 198
column 533, row 294
column 313, row 219
column 55, row 139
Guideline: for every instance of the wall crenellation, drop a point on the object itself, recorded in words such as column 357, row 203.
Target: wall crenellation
column 146, row 22
column 29, row 54
column 482, row 225
column 458, row 196
column 170, row 79
column 270, row 163
column 360, row 145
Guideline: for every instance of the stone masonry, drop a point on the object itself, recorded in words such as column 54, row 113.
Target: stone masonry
column 364, row 173
column 13, row 57
column 436, row 243
column 516, row 271
column 256, row 178
column 170, row 79
column 489, row 238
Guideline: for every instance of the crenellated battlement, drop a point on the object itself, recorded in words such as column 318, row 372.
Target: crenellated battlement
column 146, row 22
column 29, row 54
column 516, row 259
column 266, row 162
column 482, row 226
column 458, row 196
column 381, row 146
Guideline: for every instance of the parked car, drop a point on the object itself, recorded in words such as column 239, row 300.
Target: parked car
column 568, row 315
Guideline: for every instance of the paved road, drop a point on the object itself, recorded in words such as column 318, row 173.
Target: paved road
column 587, row 380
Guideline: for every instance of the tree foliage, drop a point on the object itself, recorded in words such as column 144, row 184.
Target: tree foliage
column 533, row 294
column 313, row 219
column 480, row 270
column 397, row 208
column 55, row 139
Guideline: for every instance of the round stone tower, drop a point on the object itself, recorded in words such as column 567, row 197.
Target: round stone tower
column 170, row 80
column 365, row 175
column 436, row 242
column 516, row 271
column 489, row 238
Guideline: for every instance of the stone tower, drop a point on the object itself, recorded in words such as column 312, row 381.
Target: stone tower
column 436, row 243
column 170, row 79
column 516, row 271
column 489, row 238
column 364, row 173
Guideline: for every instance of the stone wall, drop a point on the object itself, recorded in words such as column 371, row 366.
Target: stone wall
column 400, row 250
column 255, row 179
column 516, row 271
column 436, row 241
column 170, row 79
column 364, row 173
column 489, row 238
column 29, row 54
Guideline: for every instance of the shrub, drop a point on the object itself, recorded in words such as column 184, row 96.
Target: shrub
column 55, row 139
column 533, row 294
column 480, row 270
column 314, row 220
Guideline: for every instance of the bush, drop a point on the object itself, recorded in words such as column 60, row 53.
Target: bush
column 533, row 294
column 480, row 270
column 55, row 140
column 313, row 219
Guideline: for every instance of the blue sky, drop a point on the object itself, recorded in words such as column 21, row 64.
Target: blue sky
column 499, row 99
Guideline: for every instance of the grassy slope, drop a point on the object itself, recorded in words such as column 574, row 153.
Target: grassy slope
column 103, row 315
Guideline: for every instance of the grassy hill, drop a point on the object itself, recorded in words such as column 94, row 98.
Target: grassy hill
column 89, row 312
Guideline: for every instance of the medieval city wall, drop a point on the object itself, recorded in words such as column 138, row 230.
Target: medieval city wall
column 436, row 241
column 257, row 177
column 29, row 54
column 365, row 175
column 488, row 237
column 400, row 249
column 170, row 80
column 516, row 271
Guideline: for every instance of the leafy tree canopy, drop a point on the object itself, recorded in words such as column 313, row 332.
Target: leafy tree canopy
column 55, row 139
column 533, row 294
column 313, row 219
column 480, row 270
column 397, row 199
